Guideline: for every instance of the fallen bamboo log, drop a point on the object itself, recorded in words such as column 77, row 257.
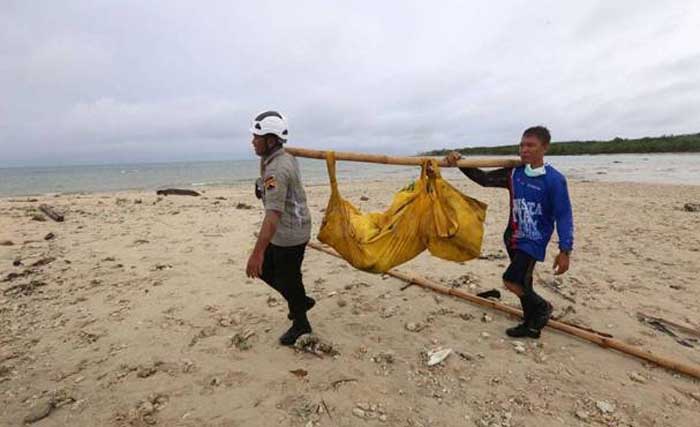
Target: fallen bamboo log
column 407, row 161
column 51, row 213
column 592, row 336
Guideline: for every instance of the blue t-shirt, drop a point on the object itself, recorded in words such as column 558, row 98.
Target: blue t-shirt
column 537, row 205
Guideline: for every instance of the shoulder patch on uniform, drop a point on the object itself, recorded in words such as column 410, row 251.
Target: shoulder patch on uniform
column 270, row 182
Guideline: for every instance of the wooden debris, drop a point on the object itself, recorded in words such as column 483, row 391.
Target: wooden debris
column 177, row 192
column 29, row 200
column 687, row 329
column 51, row 213
column 691, row 207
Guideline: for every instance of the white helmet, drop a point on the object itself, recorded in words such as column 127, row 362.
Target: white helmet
column 270, row 122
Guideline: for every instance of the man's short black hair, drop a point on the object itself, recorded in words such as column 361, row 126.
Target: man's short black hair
column 539, row 132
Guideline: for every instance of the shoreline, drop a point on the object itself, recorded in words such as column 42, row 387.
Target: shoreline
column 241, row 185
column 661, row 169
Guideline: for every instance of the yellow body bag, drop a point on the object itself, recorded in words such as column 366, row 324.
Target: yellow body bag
column 429, row 213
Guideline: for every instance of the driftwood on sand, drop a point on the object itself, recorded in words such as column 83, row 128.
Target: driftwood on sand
column 176, row 192
column 51, row 213
column 680, row 327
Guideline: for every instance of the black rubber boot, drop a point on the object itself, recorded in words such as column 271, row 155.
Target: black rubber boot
column 310, row 303
column 525, row 328
column 523, row 331
column 542, row 315
column 527, row 310
column 299, row 328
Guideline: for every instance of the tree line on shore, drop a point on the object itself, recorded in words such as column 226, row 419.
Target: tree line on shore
column 660, row 144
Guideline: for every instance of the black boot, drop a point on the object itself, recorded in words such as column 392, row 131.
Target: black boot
column 542, row 315
column 310, row 303
column 524, row 329
column 300, row 327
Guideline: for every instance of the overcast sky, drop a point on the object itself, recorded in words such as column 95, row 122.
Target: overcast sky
column 114, row 81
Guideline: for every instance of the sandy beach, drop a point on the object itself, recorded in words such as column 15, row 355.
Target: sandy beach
column 138, row 312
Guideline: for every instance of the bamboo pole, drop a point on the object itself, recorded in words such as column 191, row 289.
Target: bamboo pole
column 408, row 161
column 603, row 341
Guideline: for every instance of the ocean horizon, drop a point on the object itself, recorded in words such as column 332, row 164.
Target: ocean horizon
column 39, row 180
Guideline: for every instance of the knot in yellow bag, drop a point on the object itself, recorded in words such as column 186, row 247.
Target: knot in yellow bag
column 429, row 213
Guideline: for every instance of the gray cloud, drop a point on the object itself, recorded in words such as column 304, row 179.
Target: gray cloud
column 155, row 81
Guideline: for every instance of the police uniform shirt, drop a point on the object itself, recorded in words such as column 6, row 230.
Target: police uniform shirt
column 283, row 192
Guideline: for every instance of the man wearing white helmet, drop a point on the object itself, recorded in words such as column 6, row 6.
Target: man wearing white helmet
column 286, row 229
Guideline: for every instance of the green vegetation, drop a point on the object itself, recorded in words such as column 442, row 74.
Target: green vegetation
column 662, row 144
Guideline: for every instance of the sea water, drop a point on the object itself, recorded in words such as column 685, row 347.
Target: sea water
column 16, row 181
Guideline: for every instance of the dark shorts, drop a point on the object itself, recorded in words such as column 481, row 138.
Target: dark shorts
column 520, row 269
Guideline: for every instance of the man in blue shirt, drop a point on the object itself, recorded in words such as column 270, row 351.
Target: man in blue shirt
column 539, row 201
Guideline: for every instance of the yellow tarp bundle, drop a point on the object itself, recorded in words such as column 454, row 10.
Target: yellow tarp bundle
column 429, row 213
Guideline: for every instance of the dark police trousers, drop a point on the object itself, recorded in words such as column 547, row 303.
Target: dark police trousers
column 282, row 271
